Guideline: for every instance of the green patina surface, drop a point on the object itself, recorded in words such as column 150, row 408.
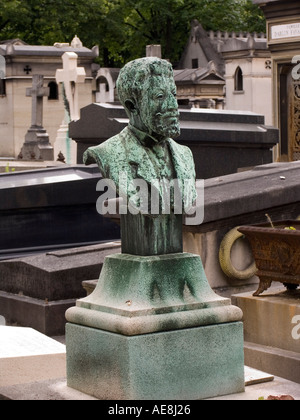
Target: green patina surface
column 145, row 150
column 181, row 365
column 137, row 295
column 153, row 328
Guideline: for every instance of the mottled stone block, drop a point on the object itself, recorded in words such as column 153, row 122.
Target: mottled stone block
column 192, row 363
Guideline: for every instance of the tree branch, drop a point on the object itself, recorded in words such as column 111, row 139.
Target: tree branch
column 2, row 25
column 141, row 16
column 138, row 30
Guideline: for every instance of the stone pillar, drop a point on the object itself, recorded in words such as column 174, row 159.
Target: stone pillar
column 69, row 77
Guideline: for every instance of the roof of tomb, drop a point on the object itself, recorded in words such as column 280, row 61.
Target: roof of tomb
column 17, row 47
column 195, row 76
column 215, row 45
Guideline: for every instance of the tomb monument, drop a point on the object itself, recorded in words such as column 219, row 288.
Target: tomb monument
column 37, row 145
column 153, row 328
column 69, row 77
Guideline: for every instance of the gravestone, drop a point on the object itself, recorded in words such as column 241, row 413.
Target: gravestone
column 37, row 145
column 69, row 77
column 27, row 356
column 232, row 140
column 153, row 318
column 36, row 291
column 50, row 209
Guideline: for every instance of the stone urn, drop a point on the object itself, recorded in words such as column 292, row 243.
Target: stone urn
column 276, row 250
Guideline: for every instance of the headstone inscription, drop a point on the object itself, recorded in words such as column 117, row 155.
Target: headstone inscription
column 152, row 296
column 37, row 144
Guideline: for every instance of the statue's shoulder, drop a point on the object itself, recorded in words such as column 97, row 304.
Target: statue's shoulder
column 180, row 150
column 108, row 150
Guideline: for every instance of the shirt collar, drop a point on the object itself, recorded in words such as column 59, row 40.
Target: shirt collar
column 144, row 138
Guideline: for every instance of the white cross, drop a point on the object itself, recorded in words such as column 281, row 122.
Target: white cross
column 70, row 75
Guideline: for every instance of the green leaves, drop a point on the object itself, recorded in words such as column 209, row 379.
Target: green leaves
column 123, row 28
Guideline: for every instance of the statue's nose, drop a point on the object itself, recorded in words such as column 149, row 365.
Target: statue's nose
column 171, row 103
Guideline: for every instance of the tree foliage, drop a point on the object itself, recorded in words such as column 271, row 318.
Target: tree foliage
column 122, row 28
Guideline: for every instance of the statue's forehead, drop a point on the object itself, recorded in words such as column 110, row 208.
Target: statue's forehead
column 161, row 81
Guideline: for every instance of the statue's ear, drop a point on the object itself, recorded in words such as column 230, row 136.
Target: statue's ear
column 130, row 106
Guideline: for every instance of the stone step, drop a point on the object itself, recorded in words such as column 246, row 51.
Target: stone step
column 283, row 363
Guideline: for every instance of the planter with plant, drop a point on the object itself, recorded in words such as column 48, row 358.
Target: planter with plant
column 276, row 250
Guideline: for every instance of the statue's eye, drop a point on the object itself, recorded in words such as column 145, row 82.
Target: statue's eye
column 159, row 96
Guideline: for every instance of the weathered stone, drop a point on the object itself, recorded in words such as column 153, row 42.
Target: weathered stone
column 271, row 331
column 138, row 295
column 50, row 209
column 153, row 236
column 37, row 145
column 36, row 291
column 188, row 364
column 27, row 356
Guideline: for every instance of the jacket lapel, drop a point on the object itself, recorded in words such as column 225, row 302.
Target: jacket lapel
column 140, row 165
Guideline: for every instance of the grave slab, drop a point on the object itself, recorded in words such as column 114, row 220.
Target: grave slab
column 271, row 331
column 51, row 209
column 57, row 389
column 27, row 356
column 36, row 291
column 230, row 139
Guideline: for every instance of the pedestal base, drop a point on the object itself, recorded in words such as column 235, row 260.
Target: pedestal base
column 140, row 295
column 154, row 329
column 192, row 363
column 37, row 145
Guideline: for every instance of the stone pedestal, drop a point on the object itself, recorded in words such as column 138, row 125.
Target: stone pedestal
column 154, row 329
column 63, row 144
column 37, row 145
column 185, row 364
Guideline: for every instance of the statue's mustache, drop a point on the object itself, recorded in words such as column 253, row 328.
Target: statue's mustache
column 168, row 114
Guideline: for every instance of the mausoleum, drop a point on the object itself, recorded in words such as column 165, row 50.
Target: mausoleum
column 283, row 36
column 21, row 62
column 241, row 59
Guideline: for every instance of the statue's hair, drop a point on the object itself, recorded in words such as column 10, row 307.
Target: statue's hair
column 133, row 75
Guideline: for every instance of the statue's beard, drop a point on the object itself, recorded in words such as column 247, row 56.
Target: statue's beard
column 166, row 125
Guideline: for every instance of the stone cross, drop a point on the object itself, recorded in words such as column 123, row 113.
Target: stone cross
column 70, row 76
column 37, row 145
column 37, row 92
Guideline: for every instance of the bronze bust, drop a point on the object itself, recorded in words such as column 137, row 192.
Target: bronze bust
column 145, row 150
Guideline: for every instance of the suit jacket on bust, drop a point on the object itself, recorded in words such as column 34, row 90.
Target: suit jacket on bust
column 124, row 153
